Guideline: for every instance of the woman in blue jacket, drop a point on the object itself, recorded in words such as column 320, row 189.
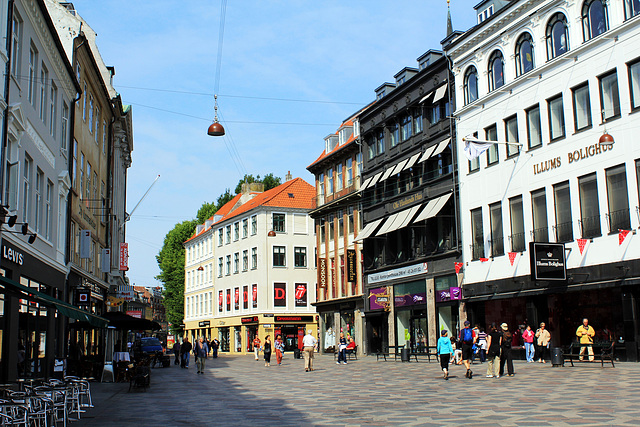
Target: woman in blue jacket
column 445, row 350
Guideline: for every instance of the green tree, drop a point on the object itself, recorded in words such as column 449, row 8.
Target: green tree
column 171, row 263
column 271, row 181
column 224, row 198
column 247, row 179
column 206, row 211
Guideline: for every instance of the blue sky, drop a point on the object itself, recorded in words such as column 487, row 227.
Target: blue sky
column 332, row 53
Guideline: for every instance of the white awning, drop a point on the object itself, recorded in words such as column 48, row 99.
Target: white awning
column 387, row 225
column 424, row 98
column 398, row 221
column 433, row 207
column 387, row 173
column 439, row 93
column 368, row 230
column 441, row 147
column 365, row 183
column 375, row 179
column 399, row 167
column 412, row 161
column 427, row 153
column 408, row 217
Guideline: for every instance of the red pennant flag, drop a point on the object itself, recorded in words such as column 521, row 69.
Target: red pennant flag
column 581, row 244
column 622, row 234
column 458, row 266
column 484, row 259
column 512, row 257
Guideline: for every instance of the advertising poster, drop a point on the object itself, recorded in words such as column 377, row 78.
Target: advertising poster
column 254, row 296
column 245, row 297
column 301, row 294
column 236, row 298
column 279, row 294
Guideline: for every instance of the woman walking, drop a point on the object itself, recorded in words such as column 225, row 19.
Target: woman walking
column 505, row 356
column 445, row 351
column 494, row 340
column 267, row 350
column 279, row 349
column 528, row 336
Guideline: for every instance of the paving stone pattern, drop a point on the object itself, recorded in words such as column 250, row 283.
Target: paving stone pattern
column 238, row 391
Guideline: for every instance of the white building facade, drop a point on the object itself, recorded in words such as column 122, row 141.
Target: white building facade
column 553, row 76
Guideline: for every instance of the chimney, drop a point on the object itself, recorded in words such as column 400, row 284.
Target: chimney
column 288, row 176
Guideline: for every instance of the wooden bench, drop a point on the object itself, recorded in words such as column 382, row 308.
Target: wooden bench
column 351, row 353
column 606, row 353
column 425, row 351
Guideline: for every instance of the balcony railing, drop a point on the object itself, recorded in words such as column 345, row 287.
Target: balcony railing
column 497, row 246
column 590, row 227
column 619, row 220
column 540, row 234
column 563, row 232
column 517, row 242
column 477, row 251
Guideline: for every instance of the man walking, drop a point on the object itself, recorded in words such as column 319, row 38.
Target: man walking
column 176, row 352
column 308, row 344
column 201, row 351
column 185, row 349
column 585, row 334
column 468, row 339
column 256, row 346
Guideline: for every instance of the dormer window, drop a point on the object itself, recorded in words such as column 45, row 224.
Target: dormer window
column 380, row 95
column 485, row 14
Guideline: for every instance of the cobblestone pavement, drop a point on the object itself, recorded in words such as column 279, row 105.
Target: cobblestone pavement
column 238, row 391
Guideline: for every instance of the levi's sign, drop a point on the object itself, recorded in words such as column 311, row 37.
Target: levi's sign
column 548, row 261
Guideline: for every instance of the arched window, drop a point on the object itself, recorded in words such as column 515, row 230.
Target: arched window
column 557, row 36
column 524, row 54
column 594, row 19
column 470, row 85
column 496, row 70
column 631, row 8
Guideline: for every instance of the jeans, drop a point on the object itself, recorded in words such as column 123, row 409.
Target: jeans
column 342, row 355
column 528, row 348
column 186, row 360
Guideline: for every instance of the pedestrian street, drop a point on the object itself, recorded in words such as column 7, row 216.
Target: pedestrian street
column 239, row 391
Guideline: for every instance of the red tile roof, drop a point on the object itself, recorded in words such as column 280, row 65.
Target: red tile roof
column 280, row 197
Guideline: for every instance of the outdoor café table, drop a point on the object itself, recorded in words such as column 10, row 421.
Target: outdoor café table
column 121, row 356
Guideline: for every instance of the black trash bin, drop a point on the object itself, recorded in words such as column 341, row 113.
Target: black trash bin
column 296, row 353
column 404, row 354
column 557, row 357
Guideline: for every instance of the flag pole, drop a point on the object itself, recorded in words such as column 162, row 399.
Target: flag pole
column 482, row 141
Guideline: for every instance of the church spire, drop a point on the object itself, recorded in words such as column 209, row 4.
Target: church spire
column 449, row 24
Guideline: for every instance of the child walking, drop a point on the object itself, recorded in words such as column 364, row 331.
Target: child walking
column 444, row 350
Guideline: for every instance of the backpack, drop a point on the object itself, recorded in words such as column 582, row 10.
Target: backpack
column 466, row 335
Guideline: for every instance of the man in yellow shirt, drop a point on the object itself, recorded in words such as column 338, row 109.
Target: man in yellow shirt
column 585, row 334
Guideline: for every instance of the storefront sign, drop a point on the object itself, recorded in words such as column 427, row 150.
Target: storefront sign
column 322, row 272
column 306, row 319
column 398, row 273
column 410, row 299
column 451, row 294
column 204, row 324
column 12, row 255
column 254, row 295
column 135, row 313
column 406, row 201
column 252, row 319
column 126, row 295
column 301, row 294
column 548, row 261
column 83, row 296
column 85, row 244
column 236, row 298
column 124, row 256
column 379, row 298
column 279, row 294
column 572, row 157
column 351, row 265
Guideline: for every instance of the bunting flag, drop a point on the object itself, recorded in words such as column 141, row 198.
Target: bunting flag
column 484, row 259
column 622, row 234
column 458, row 266
column 512, row 257
column 581, row 244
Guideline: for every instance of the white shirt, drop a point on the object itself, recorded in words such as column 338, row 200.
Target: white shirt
column 309, row 341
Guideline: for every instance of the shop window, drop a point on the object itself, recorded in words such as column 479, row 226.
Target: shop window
column 562, row 202
column 524, row 54
column 497, row 239
column 631, row 8
column 491, row 134
column 589, row 207
column 511, row 133
column 534, row 131
column 618, row 199
column 556, row 118
column 478, row 236
column 557, row 36
column 279, row 256
column 516, row 214
column 609, row 98
column 470, row 85
column 496, row 70
column 539, row 210
column 594, row 19
column 581, row 107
